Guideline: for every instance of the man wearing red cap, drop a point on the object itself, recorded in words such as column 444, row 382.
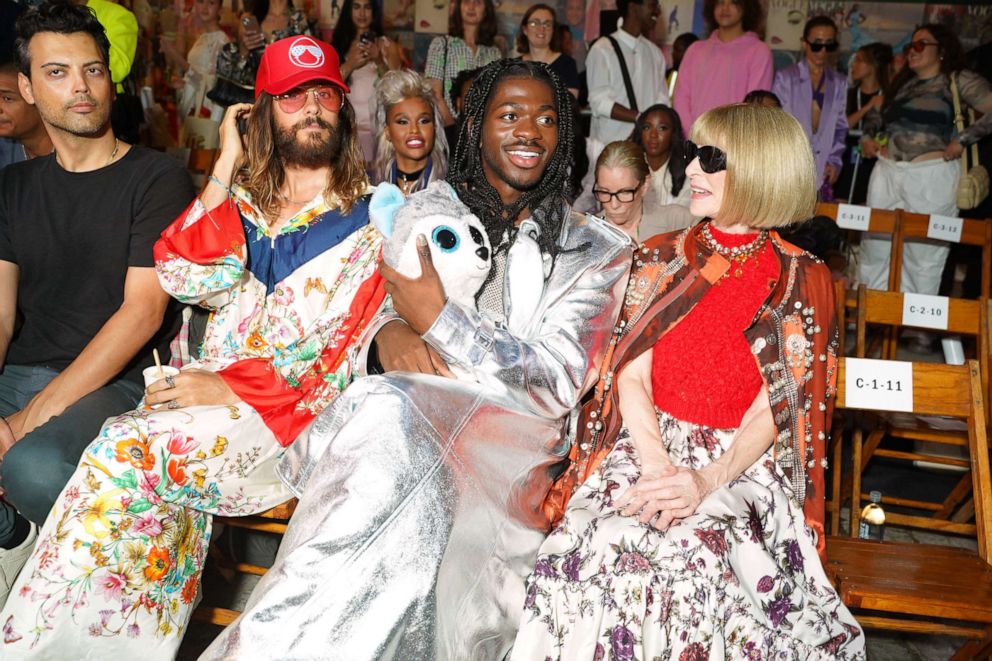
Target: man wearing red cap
column 279, row 247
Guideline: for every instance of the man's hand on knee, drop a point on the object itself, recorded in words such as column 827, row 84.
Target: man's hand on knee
column 400, row 349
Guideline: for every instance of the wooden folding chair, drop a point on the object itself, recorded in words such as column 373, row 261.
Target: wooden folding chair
column 921, row 588
column 880, row 221
column 965, row 317
column 973, row 233
column 274, row 521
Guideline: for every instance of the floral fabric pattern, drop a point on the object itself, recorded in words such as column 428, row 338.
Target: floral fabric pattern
column 118, row 562
column 740, row 578
column 123, row 551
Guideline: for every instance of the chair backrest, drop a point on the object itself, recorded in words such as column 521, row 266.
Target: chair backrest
column 964, row 317
column 953, row 391
column 201, row 161
column 973, row 233
column 880, row 221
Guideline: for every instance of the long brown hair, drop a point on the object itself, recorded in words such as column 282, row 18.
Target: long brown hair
column 263, row 173
column 487, row 28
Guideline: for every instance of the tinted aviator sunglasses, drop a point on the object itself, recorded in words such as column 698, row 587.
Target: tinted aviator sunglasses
column 919, row 45
column 327, row 96
column 817, row 46
column 711, row 159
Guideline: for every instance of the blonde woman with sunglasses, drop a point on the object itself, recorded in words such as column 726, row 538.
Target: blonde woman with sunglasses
column 689, row 519
column 918, row 150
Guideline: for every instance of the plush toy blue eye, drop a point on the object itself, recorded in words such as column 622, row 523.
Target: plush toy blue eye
column 445, row 238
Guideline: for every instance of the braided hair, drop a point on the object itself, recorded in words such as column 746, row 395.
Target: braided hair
column 548, row 201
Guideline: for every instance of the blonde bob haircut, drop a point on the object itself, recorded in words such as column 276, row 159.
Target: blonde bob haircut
column 771, row 176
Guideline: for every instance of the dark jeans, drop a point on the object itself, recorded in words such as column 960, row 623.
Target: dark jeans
column 36, row 469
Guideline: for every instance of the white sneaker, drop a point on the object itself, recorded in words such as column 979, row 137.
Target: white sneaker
column 13, row 560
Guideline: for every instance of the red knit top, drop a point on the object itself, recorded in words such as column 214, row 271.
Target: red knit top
column 703, row 370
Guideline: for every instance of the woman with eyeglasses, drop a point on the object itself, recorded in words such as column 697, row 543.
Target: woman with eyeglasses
column 365, row 55
column 621, row 183
column 689, row 518
column 658, row 131
column 815, row 93
column 412, row 151
column 539, row 41
column 918, row 167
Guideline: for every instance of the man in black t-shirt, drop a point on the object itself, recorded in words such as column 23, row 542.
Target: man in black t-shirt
column 76, row 235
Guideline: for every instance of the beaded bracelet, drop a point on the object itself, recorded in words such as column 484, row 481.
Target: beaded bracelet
column 220, row 183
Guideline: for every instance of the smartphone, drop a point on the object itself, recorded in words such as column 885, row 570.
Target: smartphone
column 251, row 23
column 366, row 38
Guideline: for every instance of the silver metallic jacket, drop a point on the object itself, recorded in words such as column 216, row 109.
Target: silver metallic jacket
column 420, row 497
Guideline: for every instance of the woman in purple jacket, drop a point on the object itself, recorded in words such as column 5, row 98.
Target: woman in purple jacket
column 815, row 93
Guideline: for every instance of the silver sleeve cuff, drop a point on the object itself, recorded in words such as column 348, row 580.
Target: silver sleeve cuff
column 461, row 336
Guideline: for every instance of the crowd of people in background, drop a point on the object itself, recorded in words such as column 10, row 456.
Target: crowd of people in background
column 578, row 172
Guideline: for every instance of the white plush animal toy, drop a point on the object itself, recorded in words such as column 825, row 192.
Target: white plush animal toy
column 459, row 246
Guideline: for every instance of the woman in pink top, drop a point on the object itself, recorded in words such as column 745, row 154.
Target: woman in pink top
column 728, row 65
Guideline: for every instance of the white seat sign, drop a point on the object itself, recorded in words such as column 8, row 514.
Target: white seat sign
column 944, row 228
column 924, row 311
column 853, row 217
column 878, row 385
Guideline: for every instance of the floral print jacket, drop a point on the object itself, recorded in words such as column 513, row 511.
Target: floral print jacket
column 793, row 338
column 285, row 307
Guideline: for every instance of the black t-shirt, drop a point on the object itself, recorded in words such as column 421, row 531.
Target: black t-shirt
column 73, row 237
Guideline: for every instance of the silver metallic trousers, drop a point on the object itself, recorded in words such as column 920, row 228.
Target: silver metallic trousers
column 419, row 519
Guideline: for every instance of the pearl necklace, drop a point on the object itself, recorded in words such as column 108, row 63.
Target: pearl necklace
column 737, row 255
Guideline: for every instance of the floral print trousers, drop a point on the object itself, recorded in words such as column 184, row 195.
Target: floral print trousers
column 118, row 561
column 739, row 579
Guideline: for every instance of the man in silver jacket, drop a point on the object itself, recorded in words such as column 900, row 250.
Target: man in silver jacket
column 420, row 494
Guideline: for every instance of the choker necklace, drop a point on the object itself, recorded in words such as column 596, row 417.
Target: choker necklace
column 409, row 176
column 737, row 255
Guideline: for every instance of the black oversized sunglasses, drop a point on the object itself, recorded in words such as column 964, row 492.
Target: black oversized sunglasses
column 817, row 46
column 711, row 159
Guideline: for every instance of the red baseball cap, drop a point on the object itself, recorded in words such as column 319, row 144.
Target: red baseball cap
column 293, row 61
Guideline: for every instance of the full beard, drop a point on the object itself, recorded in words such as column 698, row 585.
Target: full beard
column 311, row 151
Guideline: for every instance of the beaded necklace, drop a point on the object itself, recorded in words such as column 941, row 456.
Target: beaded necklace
column 738, row 255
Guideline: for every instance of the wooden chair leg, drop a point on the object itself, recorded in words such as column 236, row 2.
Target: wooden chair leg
column 960, row 491
column 975, row 649
column 835, row 494
column 855, row 518
column 868, row 451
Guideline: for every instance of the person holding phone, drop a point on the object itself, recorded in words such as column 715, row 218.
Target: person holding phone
column 365, row 55
column 264, row 22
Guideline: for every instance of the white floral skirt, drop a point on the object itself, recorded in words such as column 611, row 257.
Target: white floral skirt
column 739, row 579
column 118, row 562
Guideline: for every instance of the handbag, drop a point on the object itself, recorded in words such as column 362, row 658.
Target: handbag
column 973, row 186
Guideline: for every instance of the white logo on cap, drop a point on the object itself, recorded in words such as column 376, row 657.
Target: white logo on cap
column 304, row 52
